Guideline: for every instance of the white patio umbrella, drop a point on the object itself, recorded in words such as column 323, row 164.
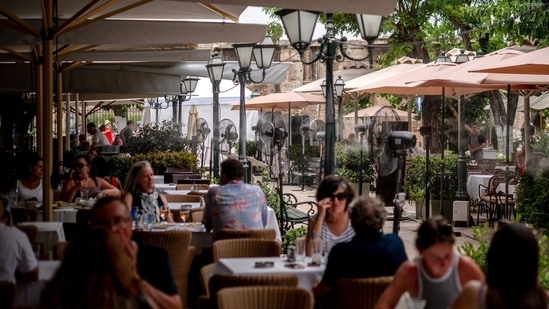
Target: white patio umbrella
column 192, row 122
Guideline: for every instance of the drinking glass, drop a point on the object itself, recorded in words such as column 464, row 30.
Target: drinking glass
column 317, row 251
column 36, row 249
column 148, row 220
column 184, row 212
column 164, row 214
column 300, row 249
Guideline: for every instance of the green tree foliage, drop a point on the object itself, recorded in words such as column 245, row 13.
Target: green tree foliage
column 163, row 137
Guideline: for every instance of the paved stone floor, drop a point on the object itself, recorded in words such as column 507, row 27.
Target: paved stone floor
column 408, row 225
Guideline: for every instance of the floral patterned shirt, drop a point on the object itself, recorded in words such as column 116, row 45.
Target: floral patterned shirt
column 235, row 205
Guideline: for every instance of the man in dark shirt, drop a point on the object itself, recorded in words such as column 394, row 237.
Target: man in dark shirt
column 369, row 254
column 152, row 262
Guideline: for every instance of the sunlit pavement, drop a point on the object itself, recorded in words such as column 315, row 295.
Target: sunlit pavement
column 408, row 225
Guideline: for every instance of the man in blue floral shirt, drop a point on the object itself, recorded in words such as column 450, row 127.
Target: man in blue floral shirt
column 234, row 204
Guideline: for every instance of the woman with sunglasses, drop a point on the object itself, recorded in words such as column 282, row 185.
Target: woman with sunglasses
column 331, row 224
column 81, row 185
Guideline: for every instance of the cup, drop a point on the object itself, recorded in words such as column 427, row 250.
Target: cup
column 316, row 251
column 36, row 248
column 300, row 249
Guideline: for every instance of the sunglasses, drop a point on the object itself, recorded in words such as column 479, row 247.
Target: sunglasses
column 80, row 166
column 339, row 196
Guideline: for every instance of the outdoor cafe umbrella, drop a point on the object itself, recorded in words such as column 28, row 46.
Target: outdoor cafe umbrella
column 282, row 101
column 535, row 62
column 192, row 122
column 462, row 76
column 373, row 110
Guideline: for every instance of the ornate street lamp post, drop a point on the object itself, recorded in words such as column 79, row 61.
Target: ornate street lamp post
column 299, row 26
column 187, row 87
column 263, row 54
column 215, row 71
column 338, row 87
column 157, row 106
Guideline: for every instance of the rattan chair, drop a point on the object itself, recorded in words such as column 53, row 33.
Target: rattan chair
column 182, row 198
column 219, row 282
column 360, row 293
column 30, row 230
column 265, row 297
column 180, row 252
column 7, row 294
column 245, row 247
column 257, row 234
column 24, row 214
column 187, row 186
column 205, row 278
column 197, row 214
column 59, row 250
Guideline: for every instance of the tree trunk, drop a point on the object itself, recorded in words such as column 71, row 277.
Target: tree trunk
column 500, row 113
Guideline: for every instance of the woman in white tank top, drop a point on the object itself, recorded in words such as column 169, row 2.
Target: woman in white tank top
column 30, row 184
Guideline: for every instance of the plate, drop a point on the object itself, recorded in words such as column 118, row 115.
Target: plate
column 192, row 226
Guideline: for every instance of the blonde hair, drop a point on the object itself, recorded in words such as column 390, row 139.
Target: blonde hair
column 96, row 273
column 131, row 179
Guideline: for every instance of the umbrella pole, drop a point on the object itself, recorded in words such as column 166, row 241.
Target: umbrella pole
column 507, row 124
column 442, row 153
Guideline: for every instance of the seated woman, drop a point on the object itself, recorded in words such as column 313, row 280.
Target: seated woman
column 369, row 254
column 30, row 184
column 81, row 185
column 100, row 168
column 512, row 274
column 140, row 193
column 96, row 273
column 437, row 274
column 331, row 224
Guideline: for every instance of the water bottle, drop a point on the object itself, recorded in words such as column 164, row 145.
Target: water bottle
column 201, row 201
column 13, row 196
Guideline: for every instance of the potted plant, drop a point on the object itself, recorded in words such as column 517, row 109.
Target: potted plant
column 349, row 165
column 414, row 184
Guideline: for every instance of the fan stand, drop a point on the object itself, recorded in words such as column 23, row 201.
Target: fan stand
column 397, row 212
column 303, row 158
column 280, row 190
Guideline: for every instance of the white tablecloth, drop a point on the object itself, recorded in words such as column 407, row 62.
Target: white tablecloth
column 64, row 214
column 158, row 179
column 473, row 182
column 29, row 294
column 307, row 277
column 200, row 239
column 512, row 168
column 510, row 190
column 49, row 233
column 162, row 187
column 178, row 205
column 272, row 222
column 183, row 192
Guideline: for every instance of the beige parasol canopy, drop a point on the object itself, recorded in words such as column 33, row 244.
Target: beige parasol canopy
column 535, row 62
column 282, row 101
column 375, row 110
column 192, row 122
